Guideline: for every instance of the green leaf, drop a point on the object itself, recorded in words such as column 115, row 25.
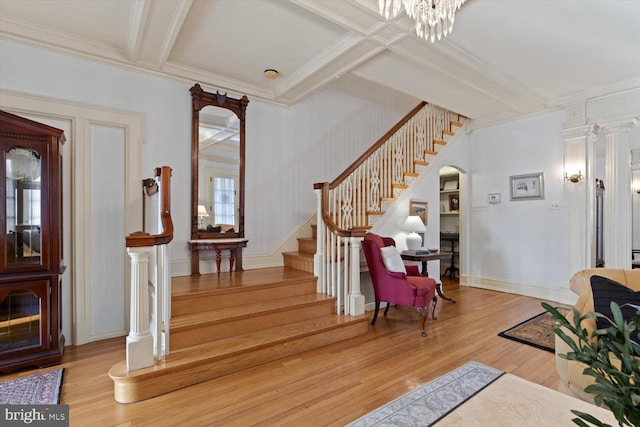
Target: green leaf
column 589, row 418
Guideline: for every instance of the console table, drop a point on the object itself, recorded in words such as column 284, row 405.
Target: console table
column 233, row 245
column 424, row 258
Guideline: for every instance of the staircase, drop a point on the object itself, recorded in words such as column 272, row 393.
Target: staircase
column 225, row 323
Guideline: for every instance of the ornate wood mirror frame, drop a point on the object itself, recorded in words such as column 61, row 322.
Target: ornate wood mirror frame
column 200, row 100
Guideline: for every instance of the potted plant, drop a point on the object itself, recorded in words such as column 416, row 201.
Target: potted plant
column 611, row 356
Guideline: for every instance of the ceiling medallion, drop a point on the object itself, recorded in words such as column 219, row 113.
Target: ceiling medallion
column 433, row 18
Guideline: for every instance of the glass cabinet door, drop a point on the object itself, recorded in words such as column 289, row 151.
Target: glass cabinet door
column 20, row 321
column 23, row 238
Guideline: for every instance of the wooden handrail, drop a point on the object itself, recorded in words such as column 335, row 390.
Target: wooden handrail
column 375, row 146
column 141, row 238
column 438, row 120
column 331, row 225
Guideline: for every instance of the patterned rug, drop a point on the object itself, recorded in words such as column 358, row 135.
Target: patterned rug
column 537, row 331
column 37, row 389
column 429, row 403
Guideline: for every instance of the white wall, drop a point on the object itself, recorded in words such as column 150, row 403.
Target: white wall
column 519, row 246
column 288, row 150
column 514, row 246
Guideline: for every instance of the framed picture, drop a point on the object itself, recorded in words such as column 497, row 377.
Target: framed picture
column 494, row 197
column 527, row 187
column 419, row 209
column 450, row 185
column 454, row 203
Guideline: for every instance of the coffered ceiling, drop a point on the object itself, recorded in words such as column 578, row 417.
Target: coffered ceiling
column 504, row 58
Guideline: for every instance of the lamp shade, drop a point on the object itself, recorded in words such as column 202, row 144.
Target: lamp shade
column 414, row 224
column 202, row 211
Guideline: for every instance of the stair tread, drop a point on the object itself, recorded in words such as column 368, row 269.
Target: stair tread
column 189, row 286
column 228, row 347
column 300, row 254
column 244, row 310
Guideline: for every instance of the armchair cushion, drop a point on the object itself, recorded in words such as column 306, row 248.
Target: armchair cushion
column 605, row 291
column 392, row 260
column 572, row 379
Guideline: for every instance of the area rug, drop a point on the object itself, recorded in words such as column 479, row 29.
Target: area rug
column 37, row 389
column 537, row 331
column 431, row 402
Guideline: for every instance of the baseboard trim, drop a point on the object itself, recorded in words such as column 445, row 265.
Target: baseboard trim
column 557, row 294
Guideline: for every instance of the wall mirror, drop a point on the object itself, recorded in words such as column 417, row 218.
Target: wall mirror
column 217, row 165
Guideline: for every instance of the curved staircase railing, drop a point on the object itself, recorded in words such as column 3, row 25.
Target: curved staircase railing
column 355, row 201
column 150, row 311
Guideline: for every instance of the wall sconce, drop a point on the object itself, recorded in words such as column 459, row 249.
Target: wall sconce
column 576, row 177
column 202, row 213
column 414, row 224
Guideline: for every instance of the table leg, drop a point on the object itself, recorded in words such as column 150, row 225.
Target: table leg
column 195, row 262
column 441, row 295
column 232, row 258
column 239, row 259
column 218, row 259
column 425, row 273
column 438, row 285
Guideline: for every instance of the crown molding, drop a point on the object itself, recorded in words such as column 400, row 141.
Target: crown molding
column 595, row 93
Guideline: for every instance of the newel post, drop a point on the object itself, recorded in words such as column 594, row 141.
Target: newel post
column 356, row 299
column 318, row 258
column 139, row 340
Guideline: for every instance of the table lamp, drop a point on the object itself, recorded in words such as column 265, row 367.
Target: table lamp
column 202, row 213
column 414, row 224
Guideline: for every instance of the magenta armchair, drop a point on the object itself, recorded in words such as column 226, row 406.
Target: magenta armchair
column 410, row 289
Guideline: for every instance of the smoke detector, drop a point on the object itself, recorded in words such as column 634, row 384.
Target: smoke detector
column 271, row 74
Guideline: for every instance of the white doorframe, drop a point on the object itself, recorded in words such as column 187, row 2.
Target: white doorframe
column 78, row 206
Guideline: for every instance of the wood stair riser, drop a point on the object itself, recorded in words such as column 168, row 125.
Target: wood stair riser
column 299, row 261
column 198, row 303
column 161, row 381
column 197, row 334
column 307, row 245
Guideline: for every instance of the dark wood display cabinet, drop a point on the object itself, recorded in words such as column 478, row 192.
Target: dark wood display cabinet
column 30, row 244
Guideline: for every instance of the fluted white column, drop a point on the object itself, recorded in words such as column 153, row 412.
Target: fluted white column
column 356, row 299
column 580, row 197
column 617, row 195
column 139, row 340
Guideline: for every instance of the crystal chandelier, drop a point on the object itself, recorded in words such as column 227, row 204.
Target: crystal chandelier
column 433, row 18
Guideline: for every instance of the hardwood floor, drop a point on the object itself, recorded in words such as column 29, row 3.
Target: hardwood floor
column 332, row 385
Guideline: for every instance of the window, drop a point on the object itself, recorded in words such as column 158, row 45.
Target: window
column 223, row 200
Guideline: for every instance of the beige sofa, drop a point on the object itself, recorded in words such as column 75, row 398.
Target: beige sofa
column 572, row 381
